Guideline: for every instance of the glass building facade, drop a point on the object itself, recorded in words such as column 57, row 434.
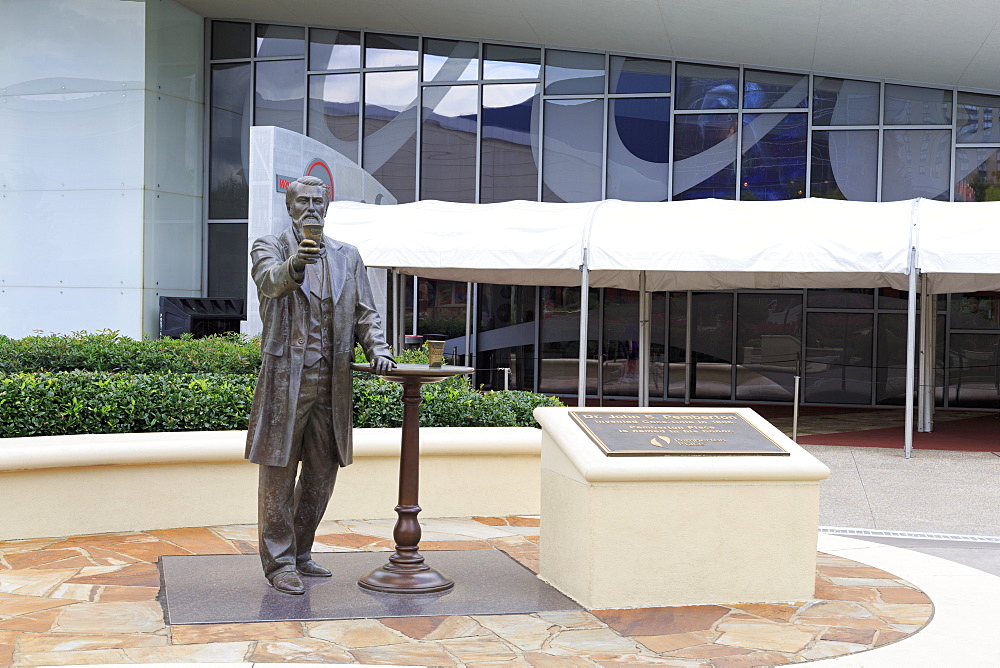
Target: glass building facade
column 482, row 122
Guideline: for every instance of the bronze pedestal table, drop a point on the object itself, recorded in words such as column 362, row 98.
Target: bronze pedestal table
column 406, row 572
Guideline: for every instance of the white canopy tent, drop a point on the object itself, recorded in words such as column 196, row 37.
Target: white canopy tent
column 691, row 245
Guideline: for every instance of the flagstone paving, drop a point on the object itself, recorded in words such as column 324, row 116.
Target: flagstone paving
column 92, row 600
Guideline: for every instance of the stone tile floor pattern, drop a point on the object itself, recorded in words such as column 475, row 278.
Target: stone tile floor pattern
column 93, row 600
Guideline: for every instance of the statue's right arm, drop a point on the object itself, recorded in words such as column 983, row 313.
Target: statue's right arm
column 274, row 275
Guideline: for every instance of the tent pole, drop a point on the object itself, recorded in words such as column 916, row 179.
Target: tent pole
column 469, row 287
column 911, row 327
column 928, row 343
column 397, row 333
column 644, row 308
column 581, row 388
column 687, row 349
column 416, row 285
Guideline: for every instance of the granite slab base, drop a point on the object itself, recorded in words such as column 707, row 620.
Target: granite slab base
column 231, row 588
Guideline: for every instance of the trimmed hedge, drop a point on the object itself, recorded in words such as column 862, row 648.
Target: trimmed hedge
column 40, row 398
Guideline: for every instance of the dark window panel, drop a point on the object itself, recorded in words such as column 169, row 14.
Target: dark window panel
column 915, row 105
column 639, row 75
column 506, row 336
column 334, row 101
column 916, row 163
column 573, row 73
column 511, row 62
column 227, row 260
column 450, row 60
column 978, row 118
column 276, row 41
column 334, row 49
column 977, row 175
column 573, row 150
column 280, row 93
column 230, row 40
column 845, row 164
column 229, row 137
column 390, row 131
column 773, row 163
column 844, row 101
column 706, row 87
column 975, row 310
column 768, row 346
column 774, row 90
column 639, row 149
column 838, row 367
column 448, row 143
column 840, row 298
column 705, row 156
column 509, row 143
column 560, row 340
column 974, row 373
column 390, row 50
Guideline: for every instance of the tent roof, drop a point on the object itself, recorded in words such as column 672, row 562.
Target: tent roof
column 959, row 245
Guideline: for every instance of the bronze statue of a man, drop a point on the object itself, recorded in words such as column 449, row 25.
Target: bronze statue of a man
column 315, row 304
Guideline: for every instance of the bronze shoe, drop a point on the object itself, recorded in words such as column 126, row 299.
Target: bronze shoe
column 312, row 569
column 287, row 582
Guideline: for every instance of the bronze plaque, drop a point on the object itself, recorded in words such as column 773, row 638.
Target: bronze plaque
column 637, row 433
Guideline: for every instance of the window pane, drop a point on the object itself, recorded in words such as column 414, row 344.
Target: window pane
column 506, row 336
column 275, row 41
column 334, row 49
column 890, row 363
column 974, row 370
column 229, row 135
column 845, row 164
column 773, row 165
column 573, row 73
column 916, row 163
column 840, row 298
column 280, row 91
column 620, row 375
column 448, row 60
column 712, row 346
column 777, row 90
column 639, row 149
column 977, row 175
column 511, row 62
column 768, row 345
column 227, row 260
column 230, row 40
column 509, row 143
column 334, row 100
column 639, row 75
column 390, row 131
column 560, row 340
column 844, row 102
column 913, row 105
column 979, row 310
column 448, row 144
column 390, row 50
column 838, row 367
column 705, row 156
column 658, row 346
column 707, row 87
column 978, row 118
column 573, row 150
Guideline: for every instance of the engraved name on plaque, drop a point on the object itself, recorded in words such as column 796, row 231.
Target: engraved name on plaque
column 649, row 434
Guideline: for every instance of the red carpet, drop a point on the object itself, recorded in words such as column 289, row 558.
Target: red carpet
column 978, row 434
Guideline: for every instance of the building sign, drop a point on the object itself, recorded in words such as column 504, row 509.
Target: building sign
column 633, row 433
column 317, row 168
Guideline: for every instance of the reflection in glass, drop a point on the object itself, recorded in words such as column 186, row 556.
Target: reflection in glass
column 280, row 89
column 448, row 144
column 230, row 40
column 840, row 298
column 658, row 346
column 390, row 50
column 511, row 62
column 974, row 374
column 227, row 260
column 449, row 60
column 573, row 150
column 390, row 131
column 712, row 345
column 560, row 340
column 978, row 118
column 844, row 101
column 773, row 165
column 639, row 75
column 573, row 73
column 509, row 143
column 774, row 90
column 915, row 105
column 506, row 336
column 977, row 175
column 334, row 102
column 229, row 138
column 706, row 87
column 334, row 49
column 638, row 149
column 768, row 346
column 838, row 365
column 676, row 333
column 845, row 164
column 916, row 163
column 890, row 361
column 620, row 366
column 975, row 310
column 705, row 156
column 275, row 41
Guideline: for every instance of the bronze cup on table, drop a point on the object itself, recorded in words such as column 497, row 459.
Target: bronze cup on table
column 435, row 354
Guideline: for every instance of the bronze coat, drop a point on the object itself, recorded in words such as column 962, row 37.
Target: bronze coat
column 284, row 310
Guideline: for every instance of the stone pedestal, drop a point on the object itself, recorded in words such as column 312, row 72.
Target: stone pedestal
column 643, row 531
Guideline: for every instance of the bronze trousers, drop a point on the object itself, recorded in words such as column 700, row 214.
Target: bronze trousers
column 291, row 500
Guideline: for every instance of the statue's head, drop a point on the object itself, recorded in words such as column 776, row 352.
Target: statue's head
column 307, row 200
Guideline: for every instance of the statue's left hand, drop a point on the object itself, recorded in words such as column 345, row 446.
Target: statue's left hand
column 383, row 365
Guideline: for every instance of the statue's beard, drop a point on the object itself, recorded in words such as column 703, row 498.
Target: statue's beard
column 307, row 219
